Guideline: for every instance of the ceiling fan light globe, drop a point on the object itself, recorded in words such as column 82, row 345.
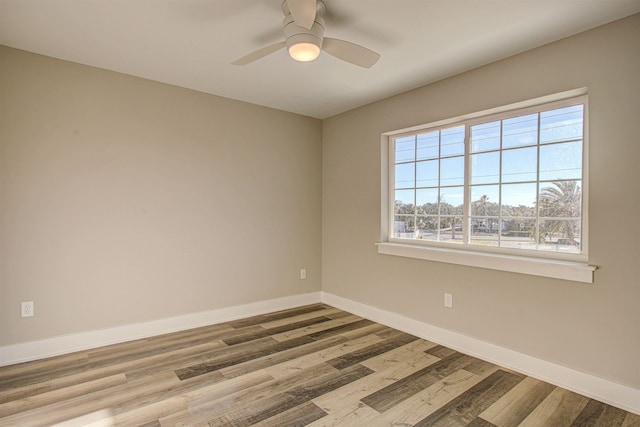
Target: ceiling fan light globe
column 304, row 52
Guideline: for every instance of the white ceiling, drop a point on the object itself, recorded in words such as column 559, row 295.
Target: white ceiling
column 191, row 43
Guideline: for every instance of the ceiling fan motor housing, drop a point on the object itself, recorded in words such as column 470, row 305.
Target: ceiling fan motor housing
column 295, row 34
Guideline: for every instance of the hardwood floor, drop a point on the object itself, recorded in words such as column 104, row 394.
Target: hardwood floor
column 313, row 365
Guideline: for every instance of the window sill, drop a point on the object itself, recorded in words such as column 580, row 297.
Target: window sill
column 566, row 270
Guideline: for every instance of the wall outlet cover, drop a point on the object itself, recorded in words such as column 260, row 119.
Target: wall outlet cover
column 27, row 309
column 448, row 300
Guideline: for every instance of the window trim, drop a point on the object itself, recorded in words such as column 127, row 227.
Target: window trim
column 539, row 263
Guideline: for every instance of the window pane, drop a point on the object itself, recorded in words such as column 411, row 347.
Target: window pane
column 520, row 131
column 427, row 201
column 427, row 173
column 451, row 201
column 560, row 235
column 518, row 233
column 404, row 202
column 451, row 228
column 427, row 228
column 562, row 199
column 519, row 199
column 519, row 164
column 428, row 146
column 405, row 149
column 452, row 141
column 484, row 231
column 452, row 171
column 485, row 137
column 403, row 226
column 561, row 161
column 562, row 124
column 485, row 200
column 405, row 175
column 485, row 168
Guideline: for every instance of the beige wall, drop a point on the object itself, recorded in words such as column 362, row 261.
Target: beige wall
column 594, row 328
column 124, row 200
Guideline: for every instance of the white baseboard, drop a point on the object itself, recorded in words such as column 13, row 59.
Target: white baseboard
column 606, row 391
column 33, row 350
column 618, row 395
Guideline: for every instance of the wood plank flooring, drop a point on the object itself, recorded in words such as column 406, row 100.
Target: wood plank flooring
column 313, row 365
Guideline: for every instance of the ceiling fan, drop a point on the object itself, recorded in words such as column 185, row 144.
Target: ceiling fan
column 303, row 28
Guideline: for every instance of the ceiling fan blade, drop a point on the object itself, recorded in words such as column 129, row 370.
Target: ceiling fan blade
column 303, row 12
column 260, row 53
column 350, row 52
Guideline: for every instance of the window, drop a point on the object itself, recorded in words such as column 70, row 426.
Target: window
column 508, row 183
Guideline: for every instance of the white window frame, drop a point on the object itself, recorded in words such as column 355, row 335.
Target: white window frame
column 539, row 263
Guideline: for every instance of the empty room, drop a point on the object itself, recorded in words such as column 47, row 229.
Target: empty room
column 319, row 212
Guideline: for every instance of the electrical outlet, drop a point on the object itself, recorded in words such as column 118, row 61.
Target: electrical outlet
column 26, row 309
column 303, row 273
column 448, row 300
